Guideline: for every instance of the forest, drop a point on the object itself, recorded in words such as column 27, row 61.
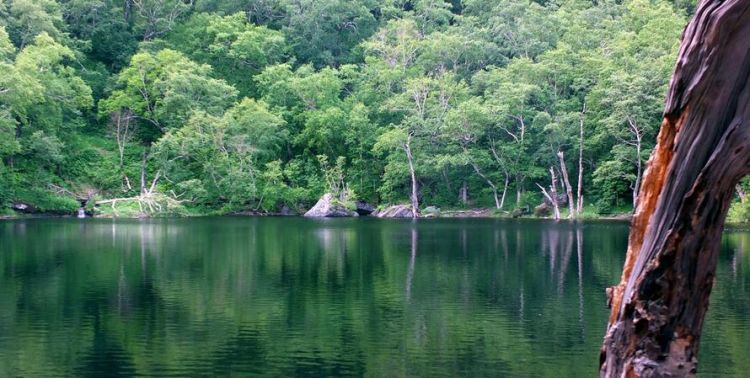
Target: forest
column 182, row 107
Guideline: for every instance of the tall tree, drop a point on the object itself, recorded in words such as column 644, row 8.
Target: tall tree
column 161, row 91
column 512, row 94
column 28, row 18
column 221, row 161
column 39, row 92
column 323, row 32
column 236, row 49
column 157, row 17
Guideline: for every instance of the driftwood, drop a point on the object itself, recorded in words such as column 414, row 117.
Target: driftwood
column 703, row 150
column 149, row 199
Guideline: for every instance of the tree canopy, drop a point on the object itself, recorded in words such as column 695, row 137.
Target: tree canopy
column 229, row 105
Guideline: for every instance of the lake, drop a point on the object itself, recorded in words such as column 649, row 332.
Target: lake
column 330, row 297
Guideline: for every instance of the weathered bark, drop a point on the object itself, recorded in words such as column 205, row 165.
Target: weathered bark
column 552, row 194
column 505, row 191
column 414, row 199
column 703, row 150
column 568, row 188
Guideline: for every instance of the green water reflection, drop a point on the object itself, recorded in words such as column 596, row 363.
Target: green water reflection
column 355, row 297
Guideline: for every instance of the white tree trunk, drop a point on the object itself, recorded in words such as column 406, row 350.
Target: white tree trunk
column 505, row 191
column 555, row 206
column 568, row 188
column 414, row 199
column 579, row 206
column 498, row 204
column 143, row 173
column 463, row 193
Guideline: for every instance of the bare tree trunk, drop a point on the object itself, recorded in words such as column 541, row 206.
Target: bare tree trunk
column 555, row 205
column 552, row 195
column 505, row 172
column 414, row 199
column 123, row 133
column 579, row 208
column 19, row 130
column 143, row 173
column 463, row 193
column 492, row 185
column 568, row 188
column 518, row 194
column 703, row 151
column 505, row 191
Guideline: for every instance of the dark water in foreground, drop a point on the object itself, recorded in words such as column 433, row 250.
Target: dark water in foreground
column 297, row 297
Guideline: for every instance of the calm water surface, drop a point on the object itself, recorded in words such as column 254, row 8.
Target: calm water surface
column 347, row 297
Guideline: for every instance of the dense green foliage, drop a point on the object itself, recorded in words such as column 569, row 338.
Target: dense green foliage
column 227, row 105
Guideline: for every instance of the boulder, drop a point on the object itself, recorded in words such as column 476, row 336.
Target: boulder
column 543, row 210
column 286, row 211
column 24, row 208
column 329, row 207
column 364, row 208
column 431, row 212
column 395, row 211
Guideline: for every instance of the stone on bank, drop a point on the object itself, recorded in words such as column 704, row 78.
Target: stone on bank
column 330, row 207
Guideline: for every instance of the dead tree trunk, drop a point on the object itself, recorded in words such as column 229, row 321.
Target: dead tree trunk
column 491, row 184
column 568, row 188
column 143, row 172
column 703, row 150
column 413, row 197
column 579, row 207
column 552, row 195
column 463, row 193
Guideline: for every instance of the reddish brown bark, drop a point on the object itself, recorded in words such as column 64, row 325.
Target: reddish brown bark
column 703, row 150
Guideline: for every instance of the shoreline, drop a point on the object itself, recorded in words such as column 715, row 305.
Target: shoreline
column 478, row 213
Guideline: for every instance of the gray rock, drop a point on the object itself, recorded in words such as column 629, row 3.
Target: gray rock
column 364, row 208
column 543, row 210
column 396, row 211
column 328, row 207
column 431, row 212
column 286, row 211
column 23, row 208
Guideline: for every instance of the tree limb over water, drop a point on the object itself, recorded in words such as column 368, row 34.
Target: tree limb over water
column 702, row 152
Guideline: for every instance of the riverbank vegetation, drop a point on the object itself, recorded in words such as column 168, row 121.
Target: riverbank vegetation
column 222, row 106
